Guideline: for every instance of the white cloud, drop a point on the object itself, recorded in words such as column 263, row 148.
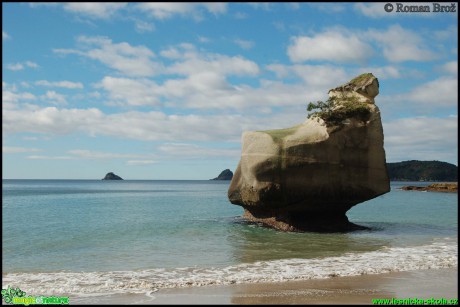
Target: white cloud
column 31, row 138
column 373, row 10
column 448, row 34
column 205, row 85
column 384, row 72
column 54, row 98
column 193, row 151
column 293, row 5
column 219, row 64
column 240, row 15
column 200, row 63
column 9, row 149
column 49, row 120
column 64, row 84
column 37, row 157
column 129, row 60
column 84, row 154
column 31, row 64
column 330, row 8
column 244, row 43
column 422, row 138
column 261, row 5
column 401, row 45
column 441, row 92
column 140, row 162
column 5, row 35
column 12, row 97
column 216, row 7
column 210, row 90
column 377, row 10
column 15, row 67
column 131, row 92
column 43, row 4
column 203, row 39
column 323, row 77
column 333, row 46
column 145, row 125
column 165, row 10
column 95, row 94
column 279, row 25
column 282, row 71
column 90, row 154
column 316, row 78
column 94, row 9
column 171, row 53
column 451, row 67
column 207, row 90
column 21, row 66
column 142, row 26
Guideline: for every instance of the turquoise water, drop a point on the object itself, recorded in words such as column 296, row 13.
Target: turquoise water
column 93, row 236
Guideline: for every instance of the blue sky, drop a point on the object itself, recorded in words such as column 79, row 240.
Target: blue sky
column 165, row 90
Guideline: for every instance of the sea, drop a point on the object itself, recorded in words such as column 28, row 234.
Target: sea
column 89, row 238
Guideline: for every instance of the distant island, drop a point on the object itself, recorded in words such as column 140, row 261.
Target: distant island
column 112, row 176
column 225, row 175
column 435, row 187
column 415, row 170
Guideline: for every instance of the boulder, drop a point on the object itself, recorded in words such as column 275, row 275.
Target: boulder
column 305, row 178
column 112, row 176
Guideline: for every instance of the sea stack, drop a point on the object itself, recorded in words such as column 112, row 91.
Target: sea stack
column 112, row 176
column 224, row 175
column 305, row 178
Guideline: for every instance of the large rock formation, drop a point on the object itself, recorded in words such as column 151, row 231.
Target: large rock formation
column 308, row 176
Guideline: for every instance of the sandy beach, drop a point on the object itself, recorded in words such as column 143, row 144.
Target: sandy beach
column 423, row 284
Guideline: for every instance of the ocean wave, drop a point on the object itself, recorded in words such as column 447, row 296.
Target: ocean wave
column 441, row 254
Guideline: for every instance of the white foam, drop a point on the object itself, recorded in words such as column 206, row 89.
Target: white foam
column 442, row 254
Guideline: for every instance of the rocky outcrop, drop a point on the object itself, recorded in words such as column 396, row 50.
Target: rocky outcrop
column 224, row 175
column 308, row 176
column 112, row 176
column 435, row 187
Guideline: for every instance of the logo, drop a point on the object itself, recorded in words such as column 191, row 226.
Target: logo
column 18, row 297
column 388, row 7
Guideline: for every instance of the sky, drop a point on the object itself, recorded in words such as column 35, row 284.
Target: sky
column 165, row 90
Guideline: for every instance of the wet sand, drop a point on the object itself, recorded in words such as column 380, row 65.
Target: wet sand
column 424, row 284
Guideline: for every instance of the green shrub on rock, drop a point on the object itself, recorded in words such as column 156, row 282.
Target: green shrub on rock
column 335, row 111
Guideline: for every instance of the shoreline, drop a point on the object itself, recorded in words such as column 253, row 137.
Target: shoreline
column 445, row 187
column 421, row 284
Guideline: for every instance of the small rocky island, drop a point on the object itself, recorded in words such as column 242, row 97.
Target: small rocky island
column 305, row 178
column 224, row 175
column 112, row 176
column 435, row 187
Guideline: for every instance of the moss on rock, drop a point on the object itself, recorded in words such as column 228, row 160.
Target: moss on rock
column 279, row 134
column 362, row 79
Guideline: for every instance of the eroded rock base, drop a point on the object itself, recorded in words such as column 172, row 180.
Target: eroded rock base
column 301, row 221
